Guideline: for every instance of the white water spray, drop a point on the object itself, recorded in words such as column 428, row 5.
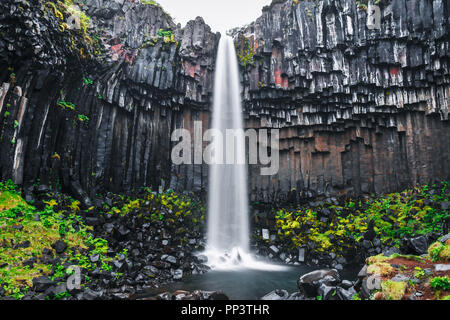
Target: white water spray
column 228, row 221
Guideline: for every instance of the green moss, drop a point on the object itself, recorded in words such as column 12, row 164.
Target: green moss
column 440, row 283
column 83, row 118
column 392, row 290
column 439, row 252
column 246, row 55
column 167, row 35
column 10, row 200
column 393, row 216
column 66, row 105
column 407, row 257
column 23, row 238
column 150, row 2
column 380, row 269
column 169, row 206
column 83, row 42
column 377, row 259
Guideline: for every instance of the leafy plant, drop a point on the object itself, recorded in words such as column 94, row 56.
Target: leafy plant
column 87, row 81
column 167, row 35
column 442, row 283
column 420, row 273
column 66, row 105
column 246, row 55
column 83, row 118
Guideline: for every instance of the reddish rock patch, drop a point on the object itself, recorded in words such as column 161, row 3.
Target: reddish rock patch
column 407, row 267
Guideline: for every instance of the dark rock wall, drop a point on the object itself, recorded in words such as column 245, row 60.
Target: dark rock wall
column 359, row 110
column 143, row 87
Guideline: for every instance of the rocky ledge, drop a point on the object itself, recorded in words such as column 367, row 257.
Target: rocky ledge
column 338, row 232
column 122, row 245
column 394, row 277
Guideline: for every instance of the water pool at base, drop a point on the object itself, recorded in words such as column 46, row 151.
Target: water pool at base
column 249, row 284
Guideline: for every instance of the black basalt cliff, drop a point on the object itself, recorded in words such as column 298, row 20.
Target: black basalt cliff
column 93, row 110
column 359, row 110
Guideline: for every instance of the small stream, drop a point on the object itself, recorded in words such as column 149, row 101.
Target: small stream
column 248, row 284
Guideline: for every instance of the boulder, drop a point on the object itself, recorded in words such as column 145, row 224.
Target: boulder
column 276, row 295
column 309, row 283
column 274, row 249
column 178, row 274
column 346, row 284
column 296, row 296
column 442, row 267
column 418, row 245
column 42, row 283
column 59, row 246
column 346, row 294
column 327, row 292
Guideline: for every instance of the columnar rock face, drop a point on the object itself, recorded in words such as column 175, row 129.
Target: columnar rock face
column 360, row 109
column 92, row 110
column 98, row 117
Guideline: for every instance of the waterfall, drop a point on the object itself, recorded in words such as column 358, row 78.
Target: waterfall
column 228, row 196
column 228, row 220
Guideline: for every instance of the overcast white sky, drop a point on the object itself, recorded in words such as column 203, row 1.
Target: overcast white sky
column 220, row 15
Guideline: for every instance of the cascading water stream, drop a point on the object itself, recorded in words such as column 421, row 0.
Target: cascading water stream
column 228, row 221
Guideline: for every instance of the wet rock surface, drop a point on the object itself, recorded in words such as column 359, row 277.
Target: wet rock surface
column 383, row 277
column 99, row 117
column 360, row 110
column 324, row 284
column 354, row 105
column 131, row 255
column 186, row 295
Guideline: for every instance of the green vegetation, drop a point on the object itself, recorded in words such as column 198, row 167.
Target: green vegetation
column 164, row 206
column 440, row 283
column 66, row 105
column 393, row 290
column 81, row 39
column 439, row 252
column 246, row 55
column 420, row 273
column 28, row 234
column 417, row 272
column 393, row 216
column 167, row 35
column 23, row 238
column 83, row 118
column 87, row 81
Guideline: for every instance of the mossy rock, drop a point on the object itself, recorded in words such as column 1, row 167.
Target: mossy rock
column 382, row 269
column 377, row 259
column 439, row 252
column 393, row 290
column 10, row 200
